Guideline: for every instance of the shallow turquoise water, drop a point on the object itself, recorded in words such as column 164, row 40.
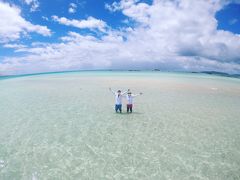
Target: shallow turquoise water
column 63, row 126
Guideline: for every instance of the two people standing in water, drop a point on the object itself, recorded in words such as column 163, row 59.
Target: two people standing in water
column 118, row 100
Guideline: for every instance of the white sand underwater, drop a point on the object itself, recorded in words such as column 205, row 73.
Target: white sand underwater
column 63, row 126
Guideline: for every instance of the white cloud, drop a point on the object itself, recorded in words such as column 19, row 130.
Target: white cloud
column 132, row 9
column 34, row 4
column 72, row 8
column 170, row 35
column 113, row 7
column 45, row 18
column 233, row 21
column 14, row 46
column 90, row 22
column 13, row 25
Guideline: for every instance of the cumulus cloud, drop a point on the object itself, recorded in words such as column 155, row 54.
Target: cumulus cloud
column 72, row 8
column 137, row 11
column 90, row 22
column 13, row 25
column 34, row 4
column 14, row 46
column 170, row 35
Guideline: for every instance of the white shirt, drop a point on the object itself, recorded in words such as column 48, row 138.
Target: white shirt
column 118, row 98
column 130, row 98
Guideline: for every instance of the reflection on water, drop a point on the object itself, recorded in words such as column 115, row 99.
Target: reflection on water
column 63, row 126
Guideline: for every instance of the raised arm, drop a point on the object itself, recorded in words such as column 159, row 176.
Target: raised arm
column 110, row 89
column 125, row 92
column 134, row 95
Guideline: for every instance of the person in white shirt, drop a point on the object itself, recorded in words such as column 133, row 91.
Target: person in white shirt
column 129, row 98
column 118, row 99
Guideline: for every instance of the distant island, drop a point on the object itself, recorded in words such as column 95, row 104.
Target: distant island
column 221, row 74
column 134, row 70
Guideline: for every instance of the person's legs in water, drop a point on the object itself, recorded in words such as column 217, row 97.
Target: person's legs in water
column 116, row 108
column 129, row 108
column 120, row 108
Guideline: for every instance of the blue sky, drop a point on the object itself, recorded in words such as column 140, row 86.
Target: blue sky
column 229, row 18
column 179, row 35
